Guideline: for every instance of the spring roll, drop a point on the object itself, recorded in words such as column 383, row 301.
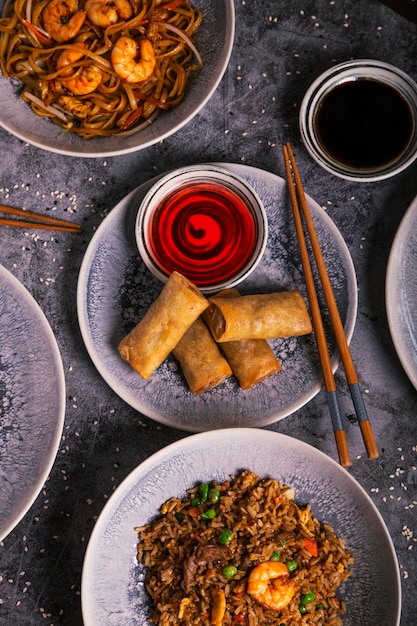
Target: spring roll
column 178, row 305
column 202, row 363
column 261, row 316
column 251, row 360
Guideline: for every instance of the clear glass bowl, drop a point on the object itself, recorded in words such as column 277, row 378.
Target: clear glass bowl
column 204, row 222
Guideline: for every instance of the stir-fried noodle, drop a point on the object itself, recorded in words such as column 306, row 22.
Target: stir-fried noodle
column 100, row 67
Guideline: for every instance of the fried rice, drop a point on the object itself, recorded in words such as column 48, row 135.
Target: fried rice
column 200, row 553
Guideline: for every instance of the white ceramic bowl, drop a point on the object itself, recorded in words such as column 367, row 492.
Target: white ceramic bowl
column 205, row 222
column 214, row 40
column 392, row 83
column 113, row 591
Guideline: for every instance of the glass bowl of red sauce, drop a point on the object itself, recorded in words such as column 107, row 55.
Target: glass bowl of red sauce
column 358, row 120
column 204, row 222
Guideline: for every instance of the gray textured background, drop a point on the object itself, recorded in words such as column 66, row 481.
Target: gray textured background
column 280, row 48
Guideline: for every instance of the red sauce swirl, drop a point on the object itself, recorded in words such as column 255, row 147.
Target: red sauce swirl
column 204, row 230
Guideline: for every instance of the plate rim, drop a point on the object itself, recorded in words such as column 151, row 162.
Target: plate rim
column 181, row 445
column 89, row 256
column 24, row 293
column 391, row 288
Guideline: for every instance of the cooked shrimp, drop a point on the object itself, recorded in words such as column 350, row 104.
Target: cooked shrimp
column 106, row 12
column 133, row 62
column 84, row 82
column 62, row 20
column 269, row 585
column 70, row 56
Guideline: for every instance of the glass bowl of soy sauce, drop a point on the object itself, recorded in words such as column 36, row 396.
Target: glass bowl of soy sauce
column 358, row 120
column 205, row 222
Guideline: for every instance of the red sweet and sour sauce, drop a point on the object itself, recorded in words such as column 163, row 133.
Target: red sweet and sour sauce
column 204, row 230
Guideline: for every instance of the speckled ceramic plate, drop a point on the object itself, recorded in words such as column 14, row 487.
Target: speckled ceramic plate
column 401, row 292
column 115, row 289
column 32, row 400
column 215, row 43
column 112, row 583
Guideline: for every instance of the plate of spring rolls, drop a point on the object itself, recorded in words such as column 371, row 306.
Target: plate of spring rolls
column 182, row 380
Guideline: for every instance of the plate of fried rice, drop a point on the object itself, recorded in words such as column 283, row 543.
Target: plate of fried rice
column 240, row 526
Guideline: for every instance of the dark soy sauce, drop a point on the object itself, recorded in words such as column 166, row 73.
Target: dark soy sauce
column 364, row 124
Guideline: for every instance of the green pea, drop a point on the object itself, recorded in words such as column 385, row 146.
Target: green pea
column 319, row 606
column 204, row 489
column 291, row 566
column 229, row 571
column 214, row 495
column 209, row 514
column 306, row 598
column 302, row 609
column 275, row 556
column 225, row 537
column 195, row 502
column 179, row 517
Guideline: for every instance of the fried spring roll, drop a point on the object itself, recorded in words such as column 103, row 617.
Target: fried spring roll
column 252, row 360
column 178, row 305
column 261, row 316
column 202, row 363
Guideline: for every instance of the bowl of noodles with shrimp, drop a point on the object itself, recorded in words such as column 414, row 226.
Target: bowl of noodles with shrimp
column 94, row 78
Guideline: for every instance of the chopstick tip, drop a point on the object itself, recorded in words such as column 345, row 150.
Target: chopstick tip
column 342, row 448
column 369, row 440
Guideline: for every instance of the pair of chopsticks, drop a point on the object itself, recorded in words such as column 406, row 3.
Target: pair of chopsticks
column 29, row 219
column 297, row 196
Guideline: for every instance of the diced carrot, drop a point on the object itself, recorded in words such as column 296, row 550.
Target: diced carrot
column 311, row 546
column 238, row 617
column 172, row 5
column 194, row 511
column 157, row 103
column 38, row 33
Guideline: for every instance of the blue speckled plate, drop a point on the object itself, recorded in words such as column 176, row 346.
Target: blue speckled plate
column 112, row 584
column 115, row 289
column 401, row 292
column 32, row 400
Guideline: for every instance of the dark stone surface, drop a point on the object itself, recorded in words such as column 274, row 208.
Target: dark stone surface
column 280, row 48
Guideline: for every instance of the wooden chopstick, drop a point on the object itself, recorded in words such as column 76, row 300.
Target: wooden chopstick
column 36, row 220
column 296, row 185
column 329, row 381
